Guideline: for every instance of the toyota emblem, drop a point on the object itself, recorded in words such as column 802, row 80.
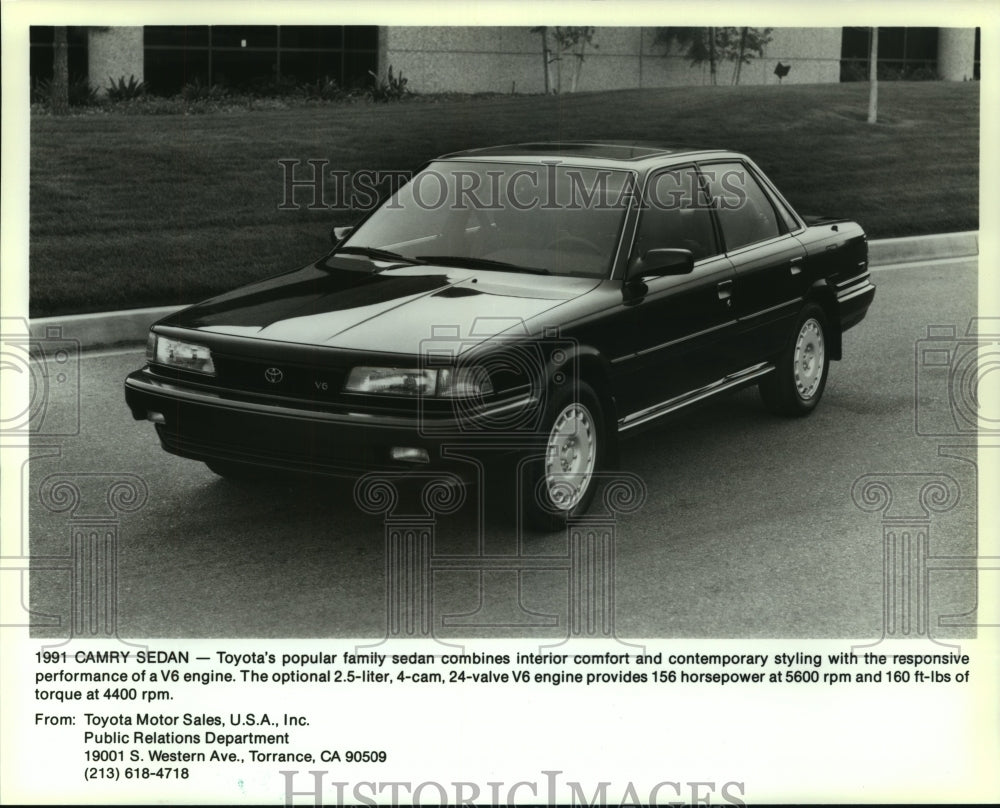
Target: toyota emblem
column 273, row 375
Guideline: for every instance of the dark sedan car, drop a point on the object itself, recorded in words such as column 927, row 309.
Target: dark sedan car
column 523, row 304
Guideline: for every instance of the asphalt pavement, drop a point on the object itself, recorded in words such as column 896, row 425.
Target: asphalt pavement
column 748, row 529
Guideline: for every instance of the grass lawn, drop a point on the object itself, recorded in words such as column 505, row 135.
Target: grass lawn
column 130, row 211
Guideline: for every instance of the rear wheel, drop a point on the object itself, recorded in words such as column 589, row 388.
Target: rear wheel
column 797, row 383
column 560, row 482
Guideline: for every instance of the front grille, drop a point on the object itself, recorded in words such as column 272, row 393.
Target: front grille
column 316, row 383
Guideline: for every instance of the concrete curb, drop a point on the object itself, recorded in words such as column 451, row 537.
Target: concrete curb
column 888, row 251
column 120, row 328
column 104, row 329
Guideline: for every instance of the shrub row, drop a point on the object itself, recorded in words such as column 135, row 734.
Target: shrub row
column 132, row 96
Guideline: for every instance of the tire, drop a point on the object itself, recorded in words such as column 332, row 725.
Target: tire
column 238, row 472
column 797, row 383
column 557, row 482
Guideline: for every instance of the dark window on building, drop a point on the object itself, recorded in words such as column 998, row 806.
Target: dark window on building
column 42, row 48
column 854, row 43
column 891, row 42
column 168, row 71
column 244, row 69
column 975, row 64
column 312, row 36
column 176, row 36
column 903, row 53
column 257, row 56
column 921, row 44
column 361, row 37
column 311, row 65
column 245, row 36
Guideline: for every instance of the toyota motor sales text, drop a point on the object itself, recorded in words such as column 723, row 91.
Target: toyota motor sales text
column 187, row 719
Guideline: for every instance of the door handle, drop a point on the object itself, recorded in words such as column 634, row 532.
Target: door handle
column 724, row 290
column 793, row 265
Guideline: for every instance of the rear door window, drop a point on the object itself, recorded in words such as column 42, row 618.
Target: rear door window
column 745, row 212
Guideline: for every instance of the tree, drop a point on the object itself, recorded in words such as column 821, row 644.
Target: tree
column 713, row 34
column 742, row 45
column 694, row 42
column 741, row 54
column 873, row 78
column 700, row 45
column 543, row 31
column 60, row 73
column 573, row 40
column 559, row 41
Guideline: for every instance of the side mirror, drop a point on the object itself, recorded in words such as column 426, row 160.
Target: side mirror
column 664, row 261
column 338, row 234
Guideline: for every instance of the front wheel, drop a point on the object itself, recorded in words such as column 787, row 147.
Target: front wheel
column 797, row 383
column 560, row 482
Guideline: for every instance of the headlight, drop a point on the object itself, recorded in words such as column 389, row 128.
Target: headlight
column 392, row 381
column 464, row 382
column 446, row 382
column 183, row 355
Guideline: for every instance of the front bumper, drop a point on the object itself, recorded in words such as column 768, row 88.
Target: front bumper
column 227, row 426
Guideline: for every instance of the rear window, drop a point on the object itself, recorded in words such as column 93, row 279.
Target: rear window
column 745, row 211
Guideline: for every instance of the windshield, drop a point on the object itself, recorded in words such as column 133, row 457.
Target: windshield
column 548, row 218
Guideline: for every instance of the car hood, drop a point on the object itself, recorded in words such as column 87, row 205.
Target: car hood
column 393, row 310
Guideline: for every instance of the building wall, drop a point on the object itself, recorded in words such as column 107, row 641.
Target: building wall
column 509, row 58
column 114, row 53
column 506, row 59
column 956, row 53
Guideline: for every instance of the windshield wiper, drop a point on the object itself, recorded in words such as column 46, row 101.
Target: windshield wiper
column 479, row 263
column 375, row 252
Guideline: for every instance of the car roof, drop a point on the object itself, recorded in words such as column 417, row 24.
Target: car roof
column 623, row 154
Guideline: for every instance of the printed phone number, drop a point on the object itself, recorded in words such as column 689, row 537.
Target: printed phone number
column 135, row 773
